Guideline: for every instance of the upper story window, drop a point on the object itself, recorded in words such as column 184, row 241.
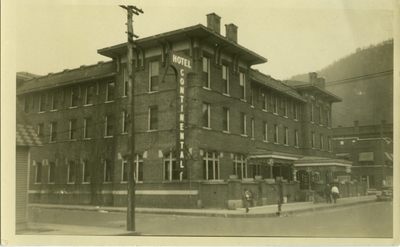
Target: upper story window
column 225, row 119
column 296, row 138
column 206, row 115
column 110, row 91
column 211, row 169
column 242, row 83
column 276, row 134
column 153, row 74
column 320, row 115
column 225, row 78
column 137, row 169
column 89, row 95
column 126, row 79
column 153, row 118
column 285, row 107
column 265, row 132
column 206, row 72
column 295, row 111
column 312, row 140
column 252, row 128
column 240, row 166
column 286, row 136
column 86, row 172
column 264, row 99
column 328, row 118
column 312, row 112
column 53, row 132
column 72, row 129
column 109, row 126
column 51, row 172
column 321, row 142
column 55, row 103
column 42, row 102
column 87, row 128
column 40, row 131
column 74, row 96
column 38, row 175
column 275, row 104
column 124, row 122
column 329, row 143
column 243, row 126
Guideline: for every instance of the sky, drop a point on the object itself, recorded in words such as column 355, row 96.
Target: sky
column 295, row 36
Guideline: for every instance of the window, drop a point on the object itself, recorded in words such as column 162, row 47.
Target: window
column 42, row 102
column 321, row 142
column 265, row 132
column 243, row 123
column 153, row 118
column 109, row 130
column 55, row 104
column 285, row 107
column 110, row 91
column 87, row 128
column 225, row 78
column 206, row 115
column 296, row 138
column 286, row 137
column 320, row 115
column 89, row 95
column 40, row 131
column 108, row 175
column 137, row 169
column 276, row 134
column 225, row 119
column 329, row 144
column 252, row 128
column 38, row 175
column 328, row 118
column 74, row 96
column 52, row 172
column 275, row 104
column 312, row 112
column 240, row 166
column 71, row 172
column 86, row 172
column 53, row 132
column 264, row 101
column 256, row 170
column 211, row 170
column 252, row 95
column 126, row 79
column 242, row 83
column 153, row 76
column 72, row 129
column 312, row 140
column 295, row 111
column 124, row 122
column 171, row 167
column 206, row 72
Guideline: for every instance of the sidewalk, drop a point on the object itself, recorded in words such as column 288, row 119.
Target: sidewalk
column 255, row 212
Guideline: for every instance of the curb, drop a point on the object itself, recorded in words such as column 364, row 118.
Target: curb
column 221, row 215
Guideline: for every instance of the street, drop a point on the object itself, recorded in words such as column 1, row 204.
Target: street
column 363, row 220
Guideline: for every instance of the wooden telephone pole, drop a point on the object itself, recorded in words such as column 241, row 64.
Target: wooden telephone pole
column 130, row 220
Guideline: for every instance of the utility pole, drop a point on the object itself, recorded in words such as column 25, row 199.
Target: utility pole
column 130, row 220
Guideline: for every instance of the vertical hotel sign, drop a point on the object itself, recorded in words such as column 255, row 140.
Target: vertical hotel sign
column 182, row 65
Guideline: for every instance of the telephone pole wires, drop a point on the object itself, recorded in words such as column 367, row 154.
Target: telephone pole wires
column 130, row 224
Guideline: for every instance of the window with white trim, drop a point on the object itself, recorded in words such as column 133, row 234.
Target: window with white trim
column 312, row 140
column 242, row 83
column 265, row 132
column 71, row 175
column 124, row 122
column 275, row 104
column 87, row 128
column 321, row 142
column 153, row 118
column 89, row 94
column 55, row 103
column 42, row 102
column 285, row 107
column 137, row 169
column 328, row 118
column 74, row 96
column 108, row 173
column 312, row 112
column 86, row 175
column 295, row 111
column 264, row 101
column 329, row 143
column 252, row 128
column 240, row 166
column 40, row 131
column 53, row 132
column 320, row 115
column 109, row 126
column 286, row 136
column 206, row 72
column 211, row 169
column 206, row 115
column 171, row 167
column 225, row 119
column 225, row 78
column 72, row 129
column 51, row 172
column 243, row 126
column 38, row 174
column 153, row 76
column 110, row 96
column 296, row 138
column 276, row 133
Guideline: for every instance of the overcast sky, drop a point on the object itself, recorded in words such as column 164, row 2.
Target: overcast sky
column 295, row 36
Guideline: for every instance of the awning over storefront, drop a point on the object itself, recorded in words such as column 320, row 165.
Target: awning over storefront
column 389, row 156
column 366, row 156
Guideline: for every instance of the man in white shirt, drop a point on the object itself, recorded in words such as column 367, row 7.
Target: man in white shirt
column 335, row 193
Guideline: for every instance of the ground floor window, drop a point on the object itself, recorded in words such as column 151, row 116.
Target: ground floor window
column 211, row 169
column 108, row 171
column 172, row 171
column 52, row 172
column 38, row 175
column 71, row 172
column 137, row 168
column 86, row 172
column 240, row 166
column 255, row 170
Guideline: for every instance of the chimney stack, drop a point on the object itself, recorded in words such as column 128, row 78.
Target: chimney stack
column 321, row 82
column 313, row 77
column 231, row 32
column 214, row 22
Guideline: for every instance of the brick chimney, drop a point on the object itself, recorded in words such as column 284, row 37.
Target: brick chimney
column 313, row 77
column 231, row 32
column 321, row 82
column 356, row 127
column 214, row 22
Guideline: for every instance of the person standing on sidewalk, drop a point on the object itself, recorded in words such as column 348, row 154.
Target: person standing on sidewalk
column 247, row 199
column 328, row 194
column 335, row 193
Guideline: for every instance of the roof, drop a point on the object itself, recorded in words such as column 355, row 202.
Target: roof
column 275, row 84
column 198, row 31
column 300, row 85
column 26, row 136
column 321, row 161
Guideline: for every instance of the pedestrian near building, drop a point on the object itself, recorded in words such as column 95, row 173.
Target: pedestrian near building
column 328, row 194
column 335, row 193
column 247, row 199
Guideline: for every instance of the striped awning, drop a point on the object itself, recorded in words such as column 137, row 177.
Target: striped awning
column 367, row 156
column 26, row 136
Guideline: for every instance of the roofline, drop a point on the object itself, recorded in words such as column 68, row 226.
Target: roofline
column 180, row 31
column 338, row 99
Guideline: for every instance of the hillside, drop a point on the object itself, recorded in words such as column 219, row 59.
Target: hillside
column 364, row 80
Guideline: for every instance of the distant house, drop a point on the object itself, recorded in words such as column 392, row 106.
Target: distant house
column 25, row 138
column 370, row 148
